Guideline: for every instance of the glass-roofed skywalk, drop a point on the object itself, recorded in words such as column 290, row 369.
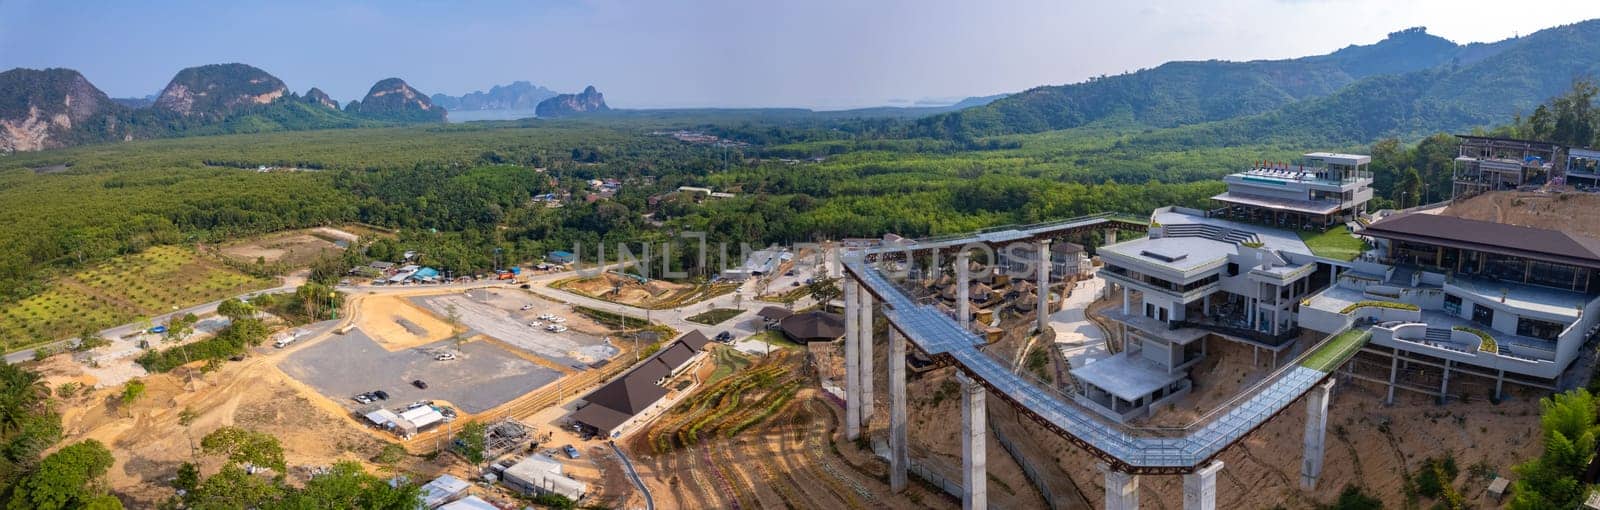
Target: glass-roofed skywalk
column 1127, row 448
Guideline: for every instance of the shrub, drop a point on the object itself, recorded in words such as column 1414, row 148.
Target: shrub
column 1486, row 342
column 1379, row 304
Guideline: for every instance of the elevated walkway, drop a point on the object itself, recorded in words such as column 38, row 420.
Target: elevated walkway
column 1127, row 449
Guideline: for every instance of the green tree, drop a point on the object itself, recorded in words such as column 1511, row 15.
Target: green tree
column 65, row 479
column 232, row 488
column 1569, row 428
column 132, row 391
column 234, row 309
column 824, row 290
column 245, row 446
column 346, row 485
column 22, row 395
column 471, row 441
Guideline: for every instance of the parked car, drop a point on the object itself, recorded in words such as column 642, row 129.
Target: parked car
column 571, row 452
column 557, row 319
column 445, row 357
column 535, row 324
column 382, row 395
column 158, row 329
column 527, row 307
column 724, row 337
column 364, row 398
column 420, row 384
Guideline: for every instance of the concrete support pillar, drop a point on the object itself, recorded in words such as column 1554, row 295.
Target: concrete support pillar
column 899, row 460
column 852, row 366
column 1127, row 296
column 974, row 437
column 1499, row 381
column 1205, row 306
column 1111, row 236
column 1044, row 284
column 865, row 358
column 1122, row 489
column 1394, row 368
column 963, row 289
column 1316, row 431
column 1200, row 487
column 1444, row 384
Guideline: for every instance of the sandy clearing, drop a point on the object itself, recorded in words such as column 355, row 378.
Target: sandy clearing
column 386, row 319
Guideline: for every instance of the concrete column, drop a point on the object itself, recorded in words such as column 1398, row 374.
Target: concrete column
column 1394, row 366
column 1122, row 489
column 1111, row 236
column 852, row 364
column 1316, row 429
column 1044, row 284
column 1444, row 384
column 1200, row 487
column 1499, row 380
column 898, row 458
column 963, row 288
column 974, row 437
column 1126, row 296
column 865, row 358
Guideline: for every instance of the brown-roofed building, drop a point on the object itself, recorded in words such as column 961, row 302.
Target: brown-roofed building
column 637, row 396
column 816, row 326
column 1550, row 258
column 771, row 315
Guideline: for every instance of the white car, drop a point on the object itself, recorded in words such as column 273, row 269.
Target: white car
column 557, row 320
column 527, row 307
column 445, row 357
column 544, row 316
column 559, row 329
column 535, row 324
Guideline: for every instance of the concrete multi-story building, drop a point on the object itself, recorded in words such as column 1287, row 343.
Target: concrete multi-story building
column 1067, row 261
column 1322, row 189
column 1193, row 279
column 1469, row 297
column 1489, row 164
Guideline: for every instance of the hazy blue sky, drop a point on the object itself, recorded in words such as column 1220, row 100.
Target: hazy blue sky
column 811, row 53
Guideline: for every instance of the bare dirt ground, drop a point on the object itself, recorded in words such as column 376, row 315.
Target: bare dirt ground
column 1569, row 212
column 652, row 294
column 395, row 323
column 1368, row 445
column 149, row 442
column 1229, row 369
column 296, row 247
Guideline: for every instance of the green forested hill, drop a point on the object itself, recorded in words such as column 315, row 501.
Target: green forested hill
column 1179, row 93
column 1511, row 82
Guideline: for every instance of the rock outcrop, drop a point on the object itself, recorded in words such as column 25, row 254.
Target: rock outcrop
column 392, row 99
column 318, row 97
column 588, row 101
column 50, row 108
column 216, row 90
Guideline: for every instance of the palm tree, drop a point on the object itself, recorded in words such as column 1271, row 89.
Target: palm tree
column 21, row 394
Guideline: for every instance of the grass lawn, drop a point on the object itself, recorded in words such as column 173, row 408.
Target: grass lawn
column 714, row 316
column 1336, row 243
column 727, row 361
column 1336, row 350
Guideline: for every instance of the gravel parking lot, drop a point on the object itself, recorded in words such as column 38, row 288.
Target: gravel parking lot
column 481, row 377
column 500, row 317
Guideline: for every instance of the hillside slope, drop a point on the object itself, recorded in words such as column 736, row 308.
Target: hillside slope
column 1510, row 81
column 1181, row 93
column 50, row 108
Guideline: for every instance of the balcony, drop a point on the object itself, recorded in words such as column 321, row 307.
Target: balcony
column 1234, row 328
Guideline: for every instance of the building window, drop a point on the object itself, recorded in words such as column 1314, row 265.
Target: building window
column 1539, row 329
column 1452, row 304
column 1482, row 314
column 1233, row 269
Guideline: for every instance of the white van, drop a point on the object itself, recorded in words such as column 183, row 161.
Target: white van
column 285, row 341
